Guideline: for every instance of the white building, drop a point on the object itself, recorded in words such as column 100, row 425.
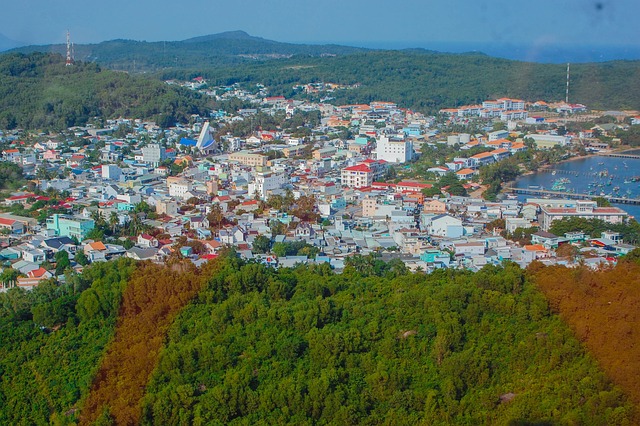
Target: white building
column 153, row 154
column 111, row 171
column 583, row 209
column 359, row 176
column 443, row 225
column 179, row 188
column 497, row 135
column 394, row 151
column 266, row 182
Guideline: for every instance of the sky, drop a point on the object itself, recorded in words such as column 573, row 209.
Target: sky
column 370, row 23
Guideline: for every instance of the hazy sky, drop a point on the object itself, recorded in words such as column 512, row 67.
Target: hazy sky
column 413, row 23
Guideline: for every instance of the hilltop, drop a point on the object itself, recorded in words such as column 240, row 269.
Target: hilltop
column 39, row 91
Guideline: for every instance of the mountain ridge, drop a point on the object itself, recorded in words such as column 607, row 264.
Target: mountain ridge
column 226, row 48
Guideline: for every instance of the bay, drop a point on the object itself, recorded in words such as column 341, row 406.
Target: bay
column 596, row 175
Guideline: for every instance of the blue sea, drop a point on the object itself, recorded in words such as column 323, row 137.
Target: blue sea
column 541, row 53
column 596, row 175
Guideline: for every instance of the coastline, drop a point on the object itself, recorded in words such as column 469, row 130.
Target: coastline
column 511, row 184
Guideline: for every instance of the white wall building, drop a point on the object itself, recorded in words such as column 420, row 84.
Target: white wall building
column 359, row 176
column 265, row 182
column 153, row 154
column 394, row 151
column 179, row 188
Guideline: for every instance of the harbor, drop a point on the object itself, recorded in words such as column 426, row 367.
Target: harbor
column 613, row 177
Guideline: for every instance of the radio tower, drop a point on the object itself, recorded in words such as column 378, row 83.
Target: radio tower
column 566, row 99
column 69, row 50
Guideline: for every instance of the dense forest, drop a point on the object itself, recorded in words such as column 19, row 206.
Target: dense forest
column 153, row 297
column 428, row 81
column 38, row 91
column 241, row 343
column 52, row 340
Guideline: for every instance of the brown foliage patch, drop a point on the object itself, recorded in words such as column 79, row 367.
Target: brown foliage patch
column 603, row 309
column 152, row 299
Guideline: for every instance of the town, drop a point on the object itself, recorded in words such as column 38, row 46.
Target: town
column 335, row 181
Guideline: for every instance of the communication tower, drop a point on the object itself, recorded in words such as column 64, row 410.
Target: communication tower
column 69, row 50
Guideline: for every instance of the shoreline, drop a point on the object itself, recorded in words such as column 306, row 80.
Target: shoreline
column 513, row 183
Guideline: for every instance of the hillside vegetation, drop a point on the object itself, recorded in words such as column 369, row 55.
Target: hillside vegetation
column 38, row 91
column 240, row 343
column 306, row 346
column 153, row 297
column 52, row 340
column 428, row 81
column 603, row 309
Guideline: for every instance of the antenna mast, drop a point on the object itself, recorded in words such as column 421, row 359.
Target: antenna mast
column 69, row 50
column 566, row 99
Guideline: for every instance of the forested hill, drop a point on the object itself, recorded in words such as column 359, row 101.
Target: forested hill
column 428, row 81
column 239, row 343
column 233, row 47
column 37, row 91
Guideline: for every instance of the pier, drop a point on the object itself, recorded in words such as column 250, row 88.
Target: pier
column 622, row 155
column 571, row 195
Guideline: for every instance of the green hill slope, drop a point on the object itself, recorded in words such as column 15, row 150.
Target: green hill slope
column 310, row 347
column 39, row 91
column 429, row 81
column 300, row 346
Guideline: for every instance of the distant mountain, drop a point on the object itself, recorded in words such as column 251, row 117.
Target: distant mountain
column 6, row 43
column 228, row 48
column 234, row 35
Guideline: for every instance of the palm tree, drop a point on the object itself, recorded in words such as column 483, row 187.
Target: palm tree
column 113, row 221
column 8, row 277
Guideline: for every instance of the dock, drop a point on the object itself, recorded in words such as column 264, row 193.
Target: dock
column 621, row 155
column 571, row 195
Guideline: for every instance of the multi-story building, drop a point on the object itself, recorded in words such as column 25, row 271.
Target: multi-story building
column 266, row 182
column 248, row 158
column 359, row 176
column 168, row 207
column 327, row 152
column 153, row 154
column 497, row 135
column 394, row 151
column 583, row 209
column 69, row 226
column 111, row 171
column 379, row 167
column 179, row 188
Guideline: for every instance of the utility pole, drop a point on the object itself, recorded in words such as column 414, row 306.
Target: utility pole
column 566, row 99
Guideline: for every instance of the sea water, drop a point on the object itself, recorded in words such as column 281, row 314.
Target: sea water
column 596, row 175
